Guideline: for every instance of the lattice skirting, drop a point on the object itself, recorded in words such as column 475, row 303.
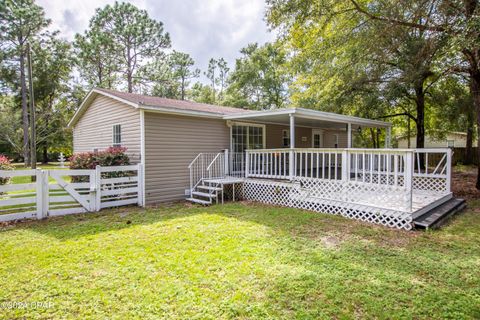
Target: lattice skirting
column 297, row 196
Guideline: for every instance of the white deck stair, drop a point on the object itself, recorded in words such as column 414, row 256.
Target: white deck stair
column 206, row 193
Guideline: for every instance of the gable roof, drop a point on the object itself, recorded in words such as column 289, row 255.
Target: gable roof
column 166, row 105
column 190, row 108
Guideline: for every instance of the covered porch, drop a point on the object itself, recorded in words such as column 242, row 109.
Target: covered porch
column 385, row 186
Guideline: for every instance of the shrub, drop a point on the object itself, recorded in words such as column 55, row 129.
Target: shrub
column 5, row 164
column 112, row 156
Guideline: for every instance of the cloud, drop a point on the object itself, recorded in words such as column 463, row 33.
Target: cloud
column 204, row 29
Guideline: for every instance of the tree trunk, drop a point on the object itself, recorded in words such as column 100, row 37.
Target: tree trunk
column 420, row 102
column 372, row 134
column 45, row 153
column 23, row 92
column 469, row 145
column 475, row 89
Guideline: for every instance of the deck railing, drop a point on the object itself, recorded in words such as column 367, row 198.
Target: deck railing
column 398, row 170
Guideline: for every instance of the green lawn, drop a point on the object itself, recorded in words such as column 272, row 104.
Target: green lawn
column 238, row 261
column 27, row 179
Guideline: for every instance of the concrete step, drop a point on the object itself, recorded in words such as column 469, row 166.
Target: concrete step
column 439, row 215
column 204, row 194
column 195, row 200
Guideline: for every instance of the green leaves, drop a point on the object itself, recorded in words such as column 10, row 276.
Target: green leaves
column 120, row 40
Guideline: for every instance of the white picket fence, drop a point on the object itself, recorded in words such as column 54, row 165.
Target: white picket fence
column 53, row 193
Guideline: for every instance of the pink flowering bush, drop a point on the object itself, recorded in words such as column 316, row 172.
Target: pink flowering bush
column 5, row 164
column 112, row 156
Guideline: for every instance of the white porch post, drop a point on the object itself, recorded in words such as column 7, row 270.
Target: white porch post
column 226, row 160
column 291, row 162
column 388, row 137
column 349, row 135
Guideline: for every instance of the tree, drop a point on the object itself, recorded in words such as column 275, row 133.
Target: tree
column 20, row 22
column 96, row 58
column 181, row 65
column 458, row 21
column 136, row 37
column 211, row 76
column 221, row 80
column 52, row 68
column 259, row 80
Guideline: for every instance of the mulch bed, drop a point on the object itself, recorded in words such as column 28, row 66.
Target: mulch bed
column 463, row 183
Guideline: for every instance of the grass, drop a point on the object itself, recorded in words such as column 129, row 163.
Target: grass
column 238, row 261
column 28, row 179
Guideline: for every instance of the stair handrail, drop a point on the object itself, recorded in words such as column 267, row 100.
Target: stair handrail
column 213, row 162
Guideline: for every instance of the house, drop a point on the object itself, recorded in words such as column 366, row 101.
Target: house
column 451, row 140
column 295, row 157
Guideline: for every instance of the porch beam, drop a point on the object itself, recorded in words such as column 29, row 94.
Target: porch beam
column 349, row 135
column 291, row 155
column 388, row 137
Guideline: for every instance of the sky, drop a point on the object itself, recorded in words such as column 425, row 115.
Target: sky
column 203, row 29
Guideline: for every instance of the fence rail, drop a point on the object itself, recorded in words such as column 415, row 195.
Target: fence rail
column 61, row 192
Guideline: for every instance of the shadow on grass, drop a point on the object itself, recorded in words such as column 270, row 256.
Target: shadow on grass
column 328, row 266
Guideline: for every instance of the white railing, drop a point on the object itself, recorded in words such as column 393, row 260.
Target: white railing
column 198, row 168
column 68, row 191
column 399, row 171
column 272, row 164
column 432, row 169
column 236, row 164
column 216, row 168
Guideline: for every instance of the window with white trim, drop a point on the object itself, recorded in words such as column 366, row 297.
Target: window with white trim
column 117, row 135
column 286, row 138
column 246, row 136
column 335, row 140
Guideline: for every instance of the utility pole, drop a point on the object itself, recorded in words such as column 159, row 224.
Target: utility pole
column 33, row 131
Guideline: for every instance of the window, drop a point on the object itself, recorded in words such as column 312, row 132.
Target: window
column 247, row 137
column 117, row 135
column 286, row 138
column 450, row 143
column 335, row 140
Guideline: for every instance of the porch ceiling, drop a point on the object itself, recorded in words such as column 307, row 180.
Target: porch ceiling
column 308, row 118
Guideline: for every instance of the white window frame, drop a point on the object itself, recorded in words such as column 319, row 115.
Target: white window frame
column 335, row 140
column 320, row 132
column 113, row 135
column 248, row 124
column 287, row 132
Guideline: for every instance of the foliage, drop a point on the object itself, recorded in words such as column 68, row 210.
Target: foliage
column 21, row 22
column 239, row 261
column 5, row 164
column 130, row 36
column 112, row 156
column 171, row 76
column 259, row 80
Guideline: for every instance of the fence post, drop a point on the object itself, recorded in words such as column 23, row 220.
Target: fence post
column 140, row 185
column 45, row 192
column 449, row 170
column 409, row 178
column 39, row 193
column 98, row 187
column 247, row 163
column 291, row 164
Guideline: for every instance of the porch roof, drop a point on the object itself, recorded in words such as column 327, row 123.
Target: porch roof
column 308, row 117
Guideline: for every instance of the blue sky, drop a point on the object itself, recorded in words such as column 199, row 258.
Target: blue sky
column 204, row 29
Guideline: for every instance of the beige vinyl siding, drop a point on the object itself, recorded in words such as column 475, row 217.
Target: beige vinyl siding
column 95, row 128
column 274, row 136
column 329, row 138
column 171, row 143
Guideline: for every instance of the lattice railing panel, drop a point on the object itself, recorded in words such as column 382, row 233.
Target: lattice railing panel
column 298, row 196
column 434, row 184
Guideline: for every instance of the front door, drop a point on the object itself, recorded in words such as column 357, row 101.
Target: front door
column 317, row 138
